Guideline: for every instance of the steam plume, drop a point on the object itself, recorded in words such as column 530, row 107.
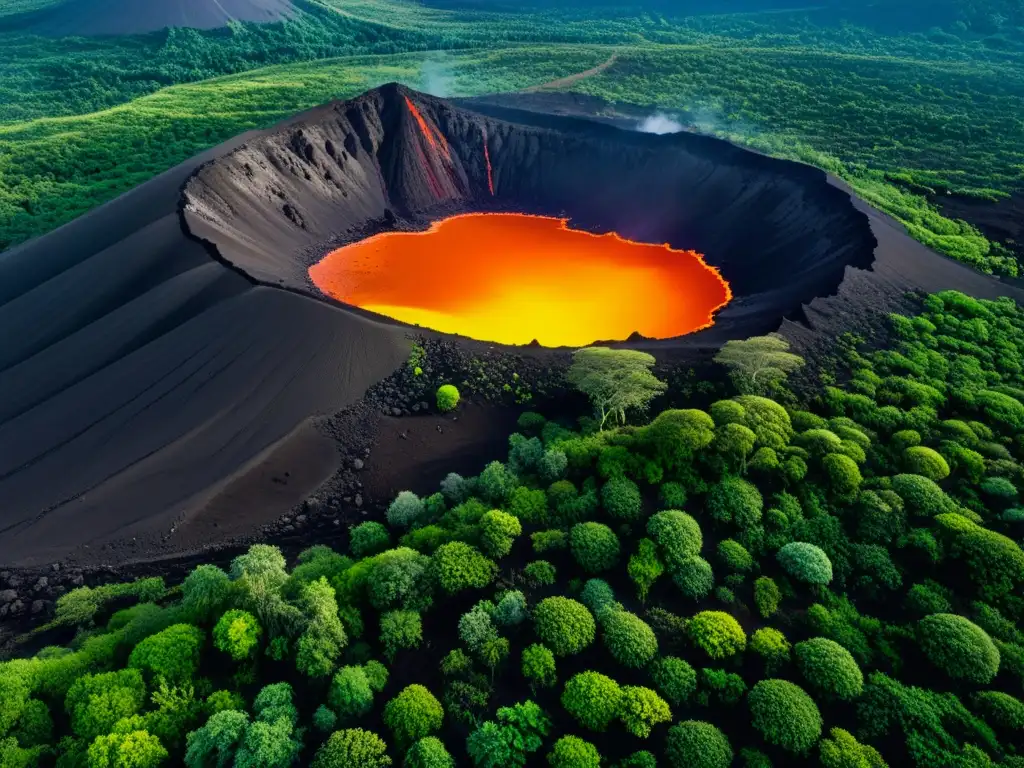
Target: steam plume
column 660, row 123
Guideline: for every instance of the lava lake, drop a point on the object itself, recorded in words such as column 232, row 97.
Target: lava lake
column 514, row 278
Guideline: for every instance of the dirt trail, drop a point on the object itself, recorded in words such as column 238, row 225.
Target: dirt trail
column 568, row 80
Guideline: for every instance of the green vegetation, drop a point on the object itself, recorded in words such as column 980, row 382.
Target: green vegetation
column 447, row 397
column 873, row 627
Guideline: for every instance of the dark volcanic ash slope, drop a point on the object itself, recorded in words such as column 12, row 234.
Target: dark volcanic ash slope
column 779, row 232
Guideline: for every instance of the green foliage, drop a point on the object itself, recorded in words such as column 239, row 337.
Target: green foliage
column 672, row 495
column 563, row 625
column 735, row 500
column 843, row 475
column 216, row 743
column 352, row 748
column 530, row 507
column 999, row 709
column 694, row 577
column 677, row 535
column 615, row 380
column 204, row 593
column 540, row 572
column 921, row 460
column 620, row 496
column 137, row 749
column 767, row 596
column 35, row 725
column 460, row 566
column 321, row 643
column 829, row 668
column 237, row 633
column 413, row 714
column 259, row 575
column 496, row 483
column 538, row 666
column 806, row 562
column 674, row 678
column 447, row 398
column 350, row 695
column 400, row 630
column 548, row 541
column 773, row 648
column 735, row 556
column 629, row 639
column 428, row 752
column 696, row 744
column 511, row 609
column 406, row 509
column 498, row 531
column 518, row 731
column 369, row 538
column 995, row 562
column 958, row 647
column 172, row 654
column 324, row 719
column 641, row 709
column 645, row 567
column 842, row 750
column 785, row 715
column 598, row 596
column 594, row 546
column 593, row 699
column 717, row 633
column 574, row 752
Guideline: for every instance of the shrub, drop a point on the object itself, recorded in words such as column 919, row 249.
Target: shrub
column 772, row 646
column 405, row 510
column 767, row 596
column 645, row 567
column 597, row 595
column 428, row 752
column 719, row 687
column 519, row 731
column 369, row 539
column 735, row 556
column 400, row 630
column 593, row 699
column 172, row 654
column 460, row 566
column 320, row 644
column 455, row 488
column 829, row 668
column 1000, row 709
column 138, row 749
column 640, row 709
column 203, row 593
column 677, row 534
column 735, row 500
column 526, row 506
column 511, row 609
column 540, row 572
column 629, row 639
column 447, row 398
column 324, row 719
column 921, row 496
column 539, row 666
column 717, row 633
column 672, row 495
column 843, row 475
column 95, row 702
column 999, row 489
column 574, row 752
column 498, row 531
column 545, row 541
column 353, row 748
column 785, row 715
column 237, row 633
column 695, row 744
column 958, row 647
column 842, row 750
column 594, row 546
column 806, row 562
column 397, row 578
column 694, row 577
column 921, row 460
column 620, row 496
column 350, row 694
column 674, row 678
column 563, row 625
column 496, row 483
column 476, row 628
column 531, row 422
column 413, row 714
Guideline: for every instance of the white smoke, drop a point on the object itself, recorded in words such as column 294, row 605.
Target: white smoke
column 660, row 124
column 437, row 77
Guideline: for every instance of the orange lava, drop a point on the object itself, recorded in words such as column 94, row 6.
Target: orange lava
column 512, row 278
column 487, row 159
column 434, row 137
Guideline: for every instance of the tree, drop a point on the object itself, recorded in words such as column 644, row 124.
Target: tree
column 735, row 500
column 806, row 562
column 677, row 534
column 319, row 647
column 413, row 714
column 842, row 750
column 574, row 752
column 645, row 567
column 640, row 709
column 785, row 715
column 96, row 702
column 717, row 633
column 205, row 592
column 615, row 380
column 498, row 531
column 694, row 577
column 172, row 654
column 217, row 741
column 620, row 496
column 924, row 461
column 593, row 699
column 399, row 578
column 629, row 639
column 369, row 538
column 594, row 546
column 447, row 398
column 350, row 694
column 829, row 668
column 400, row 629
column 696, row 744
column 353, row 748
column 538, row 666
column 428, row 752
column 773, row 648
column 759, row 363
column 564, row 625
column 675, row 679
column 1000, row 710
column 507, row 743
column 259, row 575
column 237, row 634
column 406, row 509
column 767, row 596
column 958, row 647
column 511, row 609
column 137, row 749
column 460, row 566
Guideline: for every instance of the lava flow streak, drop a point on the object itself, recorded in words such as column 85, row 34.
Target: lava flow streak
column 433, row 136
column 487, row 159
column 513, row 278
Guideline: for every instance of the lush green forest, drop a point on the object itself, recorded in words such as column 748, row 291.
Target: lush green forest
column 759, row 575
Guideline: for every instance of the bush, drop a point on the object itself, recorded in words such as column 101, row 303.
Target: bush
column 785, row 715
column 593, row 699
column 921, row 496
column 563, row 625
column 95, row 702
column 237, row 633
column 767, row 596
column 598, row 596
column 718, row 687
column 138, row 749
column 921, row 460
column 511, row 609
column 529, row 507
column 620, row 496
column 829, row 668
column 203, row 593
column 594, row 546
column 172, row 654
column 674, row 678
column 574, row 752
column 353, row 748
column 677, row 534
column 640, row 709
column 999, row 709
column 717, row 633
column 806, row 562
column 842, row 750
column 428, row 752
column 772, row 646
column 498, row 531
column 460, row 566
column 405, row 510
column 645, row 567
column 694, row 577
column 628, row 638
column 735, row 556
column 695, row 744
column 843, row 475
column 518, row 732
column 400, row 630
column 672, row 495
column 538, row 666
column 369, row 539
column 540, row 572
column 350, row 694
column 958, row 647
column 413, row 714
column 546, row 541
column 496, row 483
column 735, row 500
column 447, row 398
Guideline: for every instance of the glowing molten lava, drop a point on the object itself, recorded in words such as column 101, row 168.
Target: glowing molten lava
column 487, row 159
column 512, row 278
column 433, row 136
